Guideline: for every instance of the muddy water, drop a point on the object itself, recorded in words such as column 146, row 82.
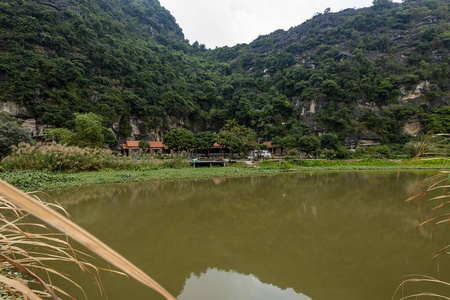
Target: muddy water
column 320, row 236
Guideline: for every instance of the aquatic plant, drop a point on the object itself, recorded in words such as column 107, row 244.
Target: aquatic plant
column 432, row 196
column 27, row 247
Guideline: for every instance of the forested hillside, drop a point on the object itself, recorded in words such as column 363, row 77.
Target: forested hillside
column 379, row 74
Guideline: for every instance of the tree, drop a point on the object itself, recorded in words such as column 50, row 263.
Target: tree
column 438, row 121
column 88, row 130
column 299, row 129
column 382, row 3
column 205, row 140
column 329, row 141
column 309, row 144
column 11, row 134
column 235, row 136
column 144, row 145
column 287, row 141
column 180, row 139
column 110, row 138
column 59, row 135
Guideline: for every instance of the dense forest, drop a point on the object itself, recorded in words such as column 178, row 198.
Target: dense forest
column 364, row 75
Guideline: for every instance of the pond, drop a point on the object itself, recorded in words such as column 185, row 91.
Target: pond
column 318, row 235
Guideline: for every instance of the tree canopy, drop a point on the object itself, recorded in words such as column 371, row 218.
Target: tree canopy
column 179, row 139
column 11, row 134
column 205, row 140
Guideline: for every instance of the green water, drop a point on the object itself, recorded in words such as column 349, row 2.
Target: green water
column 320, row 236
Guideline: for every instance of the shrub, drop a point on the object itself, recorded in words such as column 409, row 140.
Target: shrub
column 293, row 152
column 11, row 134
column 384, row 150
column 55, row 157
column 176, row 163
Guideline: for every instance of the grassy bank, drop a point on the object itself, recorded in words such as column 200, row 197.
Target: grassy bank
column 45, row 180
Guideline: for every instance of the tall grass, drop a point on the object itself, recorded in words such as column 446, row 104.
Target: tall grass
column 432, row 197
column 56, row 157
column 71, row 159
column 24, row 253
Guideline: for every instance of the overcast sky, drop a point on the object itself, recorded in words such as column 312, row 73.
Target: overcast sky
column 230, row 22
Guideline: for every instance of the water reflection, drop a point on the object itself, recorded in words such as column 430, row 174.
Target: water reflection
column 222, row 285
column 336, row 235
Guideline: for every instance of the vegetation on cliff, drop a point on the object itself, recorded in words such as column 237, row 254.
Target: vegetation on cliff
column 128, row 62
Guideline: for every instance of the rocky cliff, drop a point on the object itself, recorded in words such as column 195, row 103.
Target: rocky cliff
column 369, row 75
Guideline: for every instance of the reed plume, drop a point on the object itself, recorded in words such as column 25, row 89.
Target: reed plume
column 432, row 197
column 24, row 253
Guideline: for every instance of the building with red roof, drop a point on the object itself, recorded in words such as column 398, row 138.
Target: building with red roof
column 132, row 147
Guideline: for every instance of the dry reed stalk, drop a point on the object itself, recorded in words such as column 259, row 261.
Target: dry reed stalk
column 433, row 201
column 58, row 221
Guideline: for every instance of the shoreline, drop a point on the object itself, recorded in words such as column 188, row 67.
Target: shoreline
column 29, row 181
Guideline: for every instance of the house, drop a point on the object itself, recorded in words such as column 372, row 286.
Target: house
column 216, row 150
column 158, row 147
column 132, row 147
column 270, row 147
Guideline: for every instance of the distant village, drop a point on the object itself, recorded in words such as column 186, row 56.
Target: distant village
column 131, row 148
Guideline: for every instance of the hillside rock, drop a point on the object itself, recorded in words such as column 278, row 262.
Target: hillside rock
column 14, row 110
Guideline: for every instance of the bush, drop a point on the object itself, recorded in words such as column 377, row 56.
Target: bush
column 176, row 163
column 285, row 165
column 293, row 152
column 342, row 152
column 11, row 134
column 55, row 157
column 384, row 150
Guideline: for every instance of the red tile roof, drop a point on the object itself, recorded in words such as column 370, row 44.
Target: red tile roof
column 133, row 144
column 269, row 144
column 156, row 144
column 216, row 145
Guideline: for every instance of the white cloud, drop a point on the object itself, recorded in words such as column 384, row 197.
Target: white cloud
column 229, row 22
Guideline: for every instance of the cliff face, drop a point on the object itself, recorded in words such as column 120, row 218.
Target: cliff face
column 369, row 75
column 372, row 61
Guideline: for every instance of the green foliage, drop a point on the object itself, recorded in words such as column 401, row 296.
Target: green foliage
column 382, row 3
column 438, row 121
column 234, row 136
column 6, row 117
column 88, row 130
column 205, row 140
column 379, row 151
column 59, row 135
column 11, row 134
column 110, row 139
column 176, row 163
column 309, row 144
column 144, row 145
column 102, row 58
column 286, row 142
column 329, row 141
column 180, row 139
column 262, row 147
column 293, row 152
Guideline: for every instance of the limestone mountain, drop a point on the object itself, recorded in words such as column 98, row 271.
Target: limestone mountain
column 370, row 75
